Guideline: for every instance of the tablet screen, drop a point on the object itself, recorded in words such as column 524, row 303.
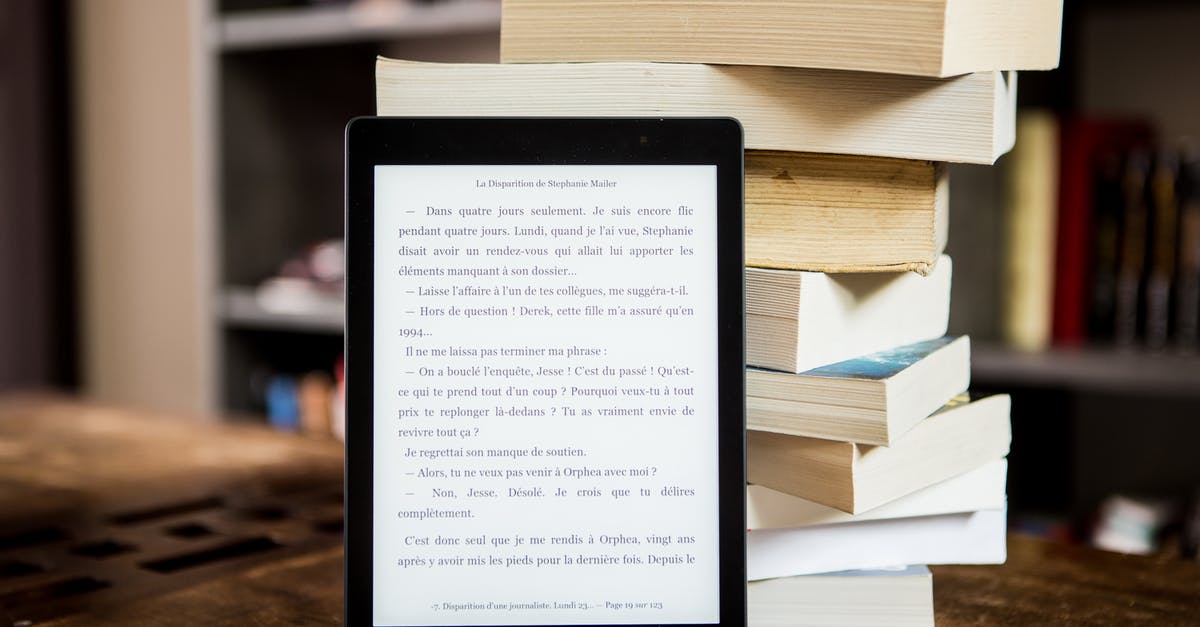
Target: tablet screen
column 545, row 395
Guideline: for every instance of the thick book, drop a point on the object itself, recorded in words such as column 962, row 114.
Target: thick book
column 872, row 399
column 981, row 488
column 797, row 321
column 925, row 37
column 843, row 213
column 900, row 597
column 855, row 478
column 967, row 538
column 969, row 118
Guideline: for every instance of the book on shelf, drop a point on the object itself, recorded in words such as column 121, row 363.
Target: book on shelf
column 969, row 118
column 311, row 403
column 315, row 398
column 1164, row 235
column 965, row 538
column 1083, row 147
column 886, row 597
column 1100, row 298
column 872, row 399
column 1131, row 259
column 1028, row 254
column 1187, row 301
column 854, row 478
column 797, row 321
column 844, row 213
column 1143, row 285
column 301, row 403
column 981, row 488
column 925, row 37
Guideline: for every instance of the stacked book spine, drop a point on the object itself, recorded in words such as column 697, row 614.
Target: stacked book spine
column 867, row 458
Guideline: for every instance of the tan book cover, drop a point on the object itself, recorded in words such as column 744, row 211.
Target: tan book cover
column 843, row 213
column 1029, row 233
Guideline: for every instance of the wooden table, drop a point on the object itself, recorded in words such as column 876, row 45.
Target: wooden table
column 81, row 475
column 103, row 510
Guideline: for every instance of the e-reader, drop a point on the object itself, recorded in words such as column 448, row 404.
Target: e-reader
column 545, row 372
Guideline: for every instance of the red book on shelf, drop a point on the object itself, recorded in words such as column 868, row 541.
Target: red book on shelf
column 1083, row 142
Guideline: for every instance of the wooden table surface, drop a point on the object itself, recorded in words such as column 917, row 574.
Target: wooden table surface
column 99, row 475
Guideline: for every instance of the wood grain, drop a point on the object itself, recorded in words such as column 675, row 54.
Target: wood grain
column 62, row 458
column 305, row 590
column 1046, row 583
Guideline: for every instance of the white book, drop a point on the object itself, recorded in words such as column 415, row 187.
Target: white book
column 796, row 321
column 967, row 538
column 870, row 399
column 856, row 478
column 982, row 488
column 896, row 598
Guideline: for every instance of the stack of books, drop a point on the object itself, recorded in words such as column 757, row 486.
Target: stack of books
column 865, row 453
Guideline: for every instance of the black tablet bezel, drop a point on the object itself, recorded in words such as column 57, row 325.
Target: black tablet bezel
column 372, row 141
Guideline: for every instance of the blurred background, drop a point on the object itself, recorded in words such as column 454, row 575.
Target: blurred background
column 171, row 223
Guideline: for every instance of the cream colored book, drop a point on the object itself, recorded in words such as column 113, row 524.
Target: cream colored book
column 969, row 118
column 797, row 321
column 855, row 478
column 925, row 37
column 1030, row 221
column 872, row 399
column 842, row 213
column 900, row 597
column 982, row 488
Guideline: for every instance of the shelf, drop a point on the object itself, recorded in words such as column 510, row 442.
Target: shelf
column 354, row 22
column 240, row 308
column 1093, row 369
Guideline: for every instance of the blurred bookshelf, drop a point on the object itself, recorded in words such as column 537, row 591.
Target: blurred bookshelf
column 1088, row 369
column 241, row 308
column 1101, row 405
column 286, row 77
